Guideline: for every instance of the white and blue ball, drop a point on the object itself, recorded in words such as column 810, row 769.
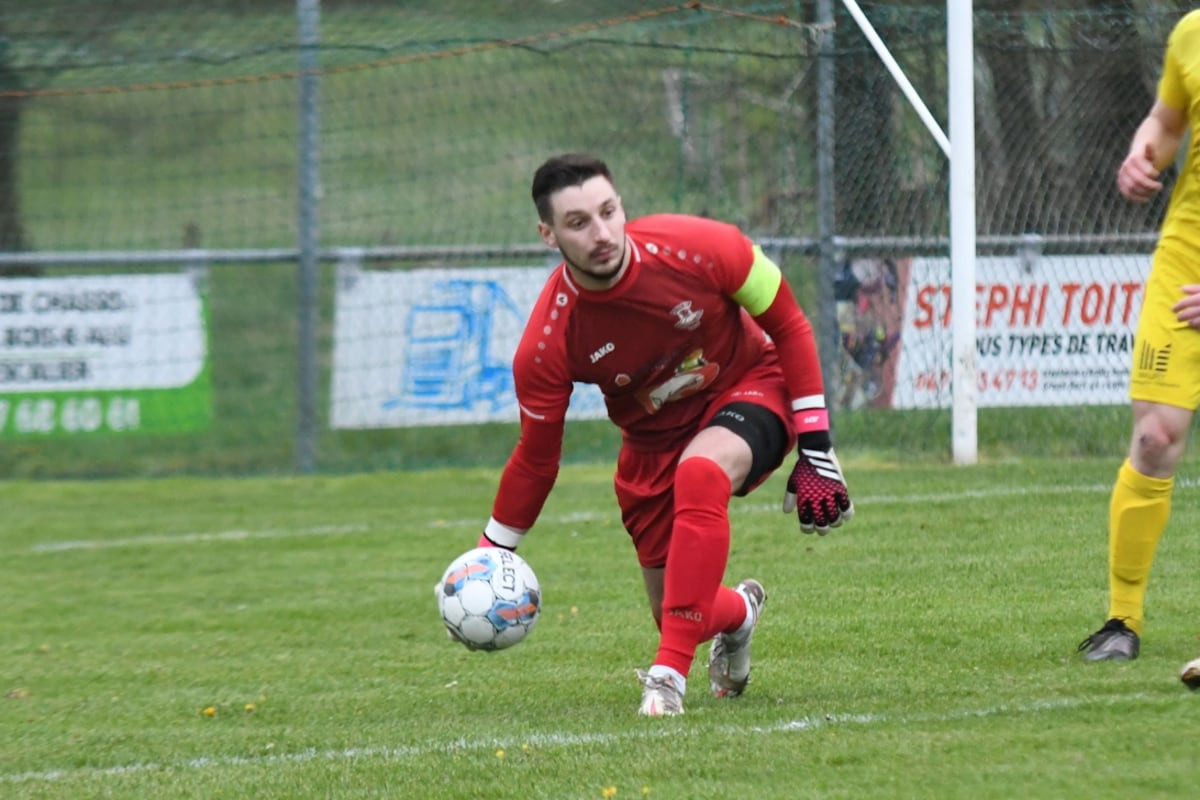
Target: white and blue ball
column 489, row 598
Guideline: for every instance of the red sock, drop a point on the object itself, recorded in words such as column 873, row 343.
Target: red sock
column 695, row 605
column 728, row 613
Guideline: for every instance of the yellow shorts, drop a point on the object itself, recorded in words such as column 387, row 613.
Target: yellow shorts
column 1166, row 352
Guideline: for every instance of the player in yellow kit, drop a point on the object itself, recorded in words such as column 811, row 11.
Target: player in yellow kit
column 1165, row 376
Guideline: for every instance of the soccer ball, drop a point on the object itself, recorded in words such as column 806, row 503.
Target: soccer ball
column 489, row 598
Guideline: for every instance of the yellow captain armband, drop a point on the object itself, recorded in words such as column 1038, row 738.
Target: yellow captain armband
column 762, row 284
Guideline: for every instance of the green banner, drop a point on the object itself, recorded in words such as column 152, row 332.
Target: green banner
column 186, row 409
column 103, row 354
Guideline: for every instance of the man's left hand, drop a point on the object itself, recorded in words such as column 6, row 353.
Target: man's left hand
column 817, row 491
column 1187, row 310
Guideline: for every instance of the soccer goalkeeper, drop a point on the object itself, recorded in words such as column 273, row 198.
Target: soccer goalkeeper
column 1165, row 380
column 709, row 368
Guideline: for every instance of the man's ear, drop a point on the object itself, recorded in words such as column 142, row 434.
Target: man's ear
column 547, row 234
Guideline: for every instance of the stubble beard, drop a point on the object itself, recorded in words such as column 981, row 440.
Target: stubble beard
column 603, row 275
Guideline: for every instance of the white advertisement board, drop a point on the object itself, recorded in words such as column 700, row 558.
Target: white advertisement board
column 100, row 332
column 1055, row 332
column 103, row 354
column 434, row 347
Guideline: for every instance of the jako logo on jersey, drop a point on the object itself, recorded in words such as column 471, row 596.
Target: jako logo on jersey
column 604, row 350
column 687, row 318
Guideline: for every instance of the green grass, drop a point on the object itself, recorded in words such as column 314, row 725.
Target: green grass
column 926, row 650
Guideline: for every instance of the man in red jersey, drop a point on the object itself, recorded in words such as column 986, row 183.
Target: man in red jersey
column 709, row 368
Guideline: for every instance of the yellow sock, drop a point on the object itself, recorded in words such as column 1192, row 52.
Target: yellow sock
column 1137, row 517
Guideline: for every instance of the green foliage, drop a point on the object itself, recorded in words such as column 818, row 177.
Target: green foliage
column 927, row 649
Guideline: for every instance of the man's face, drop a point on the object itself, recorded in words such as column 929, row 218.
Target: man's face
column 588, row 227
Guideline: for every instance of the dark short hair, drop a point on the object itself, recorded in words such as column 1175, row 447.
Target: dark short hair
column 559, row 172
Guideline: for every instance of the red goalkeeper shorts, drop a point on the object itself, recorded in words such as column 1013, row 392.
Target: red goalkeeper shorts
column 644, row 481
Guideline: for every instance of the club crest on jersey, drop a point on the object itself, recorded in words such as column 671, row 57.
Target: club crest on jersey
column 686, row 318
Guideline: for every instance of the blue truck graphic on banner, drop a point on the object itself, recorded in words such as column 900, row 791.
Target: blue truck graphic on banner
column 433, row 346
column 450, row 359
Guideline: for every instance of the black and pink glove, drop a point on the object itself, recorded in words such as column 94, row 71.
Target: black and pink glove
column 816, row 490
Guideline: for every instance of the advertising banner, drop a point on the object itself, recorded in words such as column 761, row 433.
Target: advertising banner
column 434, row 347
column 106, row 353
column 1057, row 331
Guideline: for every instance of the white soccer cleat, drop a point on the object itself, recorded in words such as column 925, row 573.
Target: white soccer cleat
column 1190, row 674
column 660, row 697
column 729, row 659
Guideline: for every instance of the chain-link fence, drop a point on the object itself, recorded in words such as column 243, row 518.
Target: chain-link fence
column 176, row 141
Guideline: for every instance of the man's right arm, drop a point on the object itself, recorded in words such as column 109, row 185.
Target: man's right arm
column 525, row 483
column 1153, row 147
column 1157, row 138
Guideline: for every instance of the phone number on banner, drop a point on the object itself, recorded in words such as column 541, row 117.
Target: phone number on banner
column 72, row 414
column 1007, row 379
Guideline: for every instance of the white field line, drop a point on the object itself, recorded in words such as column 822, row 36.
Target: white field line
column 569, row 740
column 737, row 508
column 196, row 538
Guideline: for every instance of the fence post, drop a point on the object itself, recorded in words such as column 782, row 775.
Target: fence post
column 309, row 178
column 827, row 324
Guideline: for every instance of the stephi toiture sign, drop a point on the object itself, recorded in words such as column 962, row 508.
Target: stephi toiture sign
column 115, row 353
column 1057, row 332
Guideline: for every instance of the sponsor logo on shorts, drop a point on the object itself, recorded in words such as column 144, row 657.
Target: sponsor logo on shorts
column 1153, row 359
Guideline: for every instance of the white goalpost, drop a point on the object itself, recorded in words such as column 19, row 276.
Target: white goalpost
column 960, row 65
column 959, row 147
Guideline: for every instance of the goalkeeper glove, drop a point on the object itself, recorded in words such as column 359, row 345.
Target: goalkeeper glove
column 816, row 490
column 484, row 541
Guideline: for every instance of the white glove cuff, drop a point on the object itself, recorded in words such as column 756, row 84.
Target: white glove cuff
column 502, row 534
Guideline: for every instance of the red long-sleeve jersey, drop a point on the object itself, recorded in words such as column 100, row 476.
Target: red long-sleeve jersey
column 659, row 344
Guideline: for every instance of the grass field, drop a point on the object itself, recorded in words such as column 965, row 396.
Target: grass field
column 277, row 638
